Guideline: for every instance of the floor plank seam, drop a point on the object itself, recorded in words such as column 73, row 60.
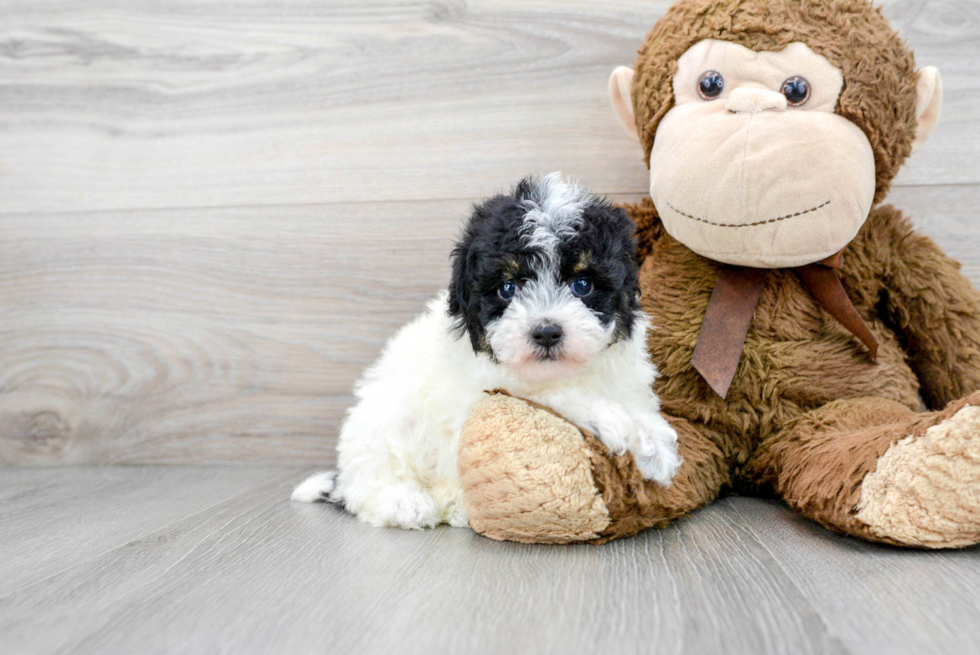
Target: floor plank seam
column 827, row 626
column 641, row 192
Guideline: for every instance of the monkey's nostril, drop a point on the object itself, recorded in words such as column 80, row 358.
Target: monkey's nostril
column 547, row 335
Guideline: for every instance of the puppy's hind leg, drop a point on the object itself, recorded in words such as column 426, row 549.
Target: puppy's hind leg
column 320, row 487
column 400, row 505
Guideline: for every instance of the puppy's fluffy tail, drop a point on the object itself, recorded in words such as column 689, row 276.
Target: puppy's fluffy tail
column 318, row 488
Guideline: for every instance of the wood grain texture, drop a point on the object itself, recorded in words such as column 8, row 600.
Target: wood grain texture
column 203, row 336
column 124, row 105
column 212, row 215
column 875, row 599
column 251, row 572
column 317, row 159
column 260, row 574
column 54, row 519
column 236, row 334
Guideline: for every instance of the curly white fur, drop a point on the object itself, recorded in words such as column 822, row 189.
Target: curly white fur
column 397, row 449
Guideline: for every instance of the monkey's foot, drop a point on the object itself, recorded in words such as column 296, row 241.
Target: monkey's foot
column 925, row 490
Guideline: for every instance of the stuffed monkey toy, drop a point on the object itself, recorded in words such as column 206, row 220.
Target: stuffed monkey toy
column 797, row 321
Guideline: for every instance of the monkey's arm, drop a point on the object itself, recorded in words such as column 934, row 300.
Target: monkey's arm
column 648, row 226
column 529, row 475
column 934, row 308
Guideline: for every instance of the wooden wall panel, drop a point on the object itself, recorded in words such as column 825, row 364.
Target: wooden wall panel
column 203, row 335
column 212, row 215
column 222, row 335
column 121, row 105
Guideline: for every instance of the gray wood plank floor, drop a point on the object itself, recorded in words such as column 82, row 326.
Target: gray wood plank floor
column 244, row 570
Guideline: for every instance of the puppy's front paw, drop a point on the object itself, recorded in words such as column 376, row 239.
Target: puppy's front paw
column 613, row 425
column 656, row 454
column 401, row 506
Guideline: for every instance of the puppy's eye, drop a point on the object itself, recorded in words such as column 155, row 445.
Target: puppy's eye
column 710, row 85
column 797, row 91
column 507, row 290
column 581, row 287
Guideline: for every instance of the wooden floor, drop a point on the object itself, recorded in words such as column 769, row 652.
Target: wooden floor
column 218, row 560
column 213, row 214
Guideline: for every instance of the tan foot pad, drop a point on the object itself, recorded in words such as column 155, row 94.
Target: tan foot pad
column 527, row 475
column 926, row 491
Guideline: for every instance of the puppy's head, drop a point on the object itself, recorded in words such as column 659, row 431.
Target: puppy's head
column 544, row 279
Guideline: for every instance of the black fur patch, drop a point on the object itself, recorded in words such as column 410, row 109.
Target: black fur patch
column 491, row 251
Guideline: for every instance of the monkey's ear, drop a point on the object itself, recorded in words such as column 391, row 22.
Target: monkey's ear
column 928, row 100
column 621, row 97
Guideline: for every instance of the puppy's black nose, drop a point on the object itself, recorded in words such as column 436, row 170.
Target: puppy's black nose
column 546, row 335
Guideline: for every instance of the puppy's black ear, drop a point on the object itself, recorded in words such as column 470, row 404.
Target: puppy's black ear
column 614, row 237
column 460, row 279
column 459, row 293
column 629, row 295
column 524, row 190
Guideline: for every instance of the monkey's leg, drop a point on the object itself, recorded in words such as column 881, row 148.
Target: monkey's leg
column 529, row 475
column 873, row 468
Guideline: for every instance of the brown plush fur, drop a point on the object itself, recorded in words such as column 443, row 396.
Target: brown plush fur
column 800, row 368
column 924, row 489
column 879, row 71
column 809, row 415
column 634, row 504
column 796, row 357
column 819, row 464
column 530, row 476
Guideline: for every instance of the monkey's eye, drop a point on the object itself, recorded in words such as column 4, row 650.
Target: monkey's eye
column 797, row 90
column 507, row 290
column 581, row 287
column 711, row 85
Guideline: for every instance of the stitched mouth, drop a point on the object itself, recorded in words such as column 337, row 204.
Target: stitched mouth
column 766, row 222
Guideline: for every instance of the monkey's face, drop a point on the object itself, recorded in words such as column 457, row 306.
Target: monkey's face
column 752, row 166
column 769, row 148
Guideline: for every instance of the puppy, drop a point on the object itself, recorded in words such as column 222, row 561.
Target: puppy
column 543, row 303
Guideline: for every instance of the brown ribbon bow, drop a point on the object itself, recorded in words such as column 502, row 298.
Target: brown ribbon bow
column 733, row 302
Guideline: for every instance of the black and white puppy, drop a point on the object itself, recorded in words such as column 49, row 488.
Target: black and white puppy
column 544, row 285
